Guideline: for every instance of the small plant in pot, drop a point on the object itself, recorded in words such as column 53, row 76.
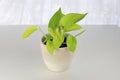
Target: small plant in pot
column 57, row 45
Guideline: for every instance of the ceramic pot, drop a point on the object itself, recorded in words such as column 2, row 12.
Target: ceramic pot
column 59, row 61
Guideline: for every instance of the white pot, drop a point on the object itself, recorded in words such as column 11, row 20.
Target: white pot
column 59, row 61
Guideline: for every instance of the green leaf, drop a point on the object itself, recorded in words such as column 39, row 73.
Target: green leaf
column 73, row 27
column 56, row 42
column 29, row 31
column 54, row 22
column 71, row 43
column 71, row 18
column 59, row 38
column 80, row 33
column 50, row 47
column 55, row 30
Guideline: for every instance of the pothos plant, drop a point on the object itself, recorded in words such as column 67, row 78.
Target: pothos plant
column 58, row 26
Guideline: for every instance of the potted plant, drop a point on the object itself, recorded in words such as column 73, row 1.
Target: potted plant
column 58, row 46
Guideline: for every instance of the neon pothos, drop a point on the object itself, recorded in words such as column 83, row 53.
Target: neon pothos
column 58, row 25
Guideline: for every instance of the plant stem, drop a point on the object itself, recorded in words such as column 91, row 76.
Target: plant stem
column 80, row 33
column 41, row 31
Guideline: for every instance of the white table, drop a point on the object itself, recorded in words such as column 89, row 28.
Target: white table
column 97, row 56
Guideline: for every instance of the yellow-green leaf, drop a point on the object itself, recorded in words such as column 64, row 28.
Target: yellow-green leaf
column 73, row 27
column 50, row 47
column 71, row 43
column 29, row 31
column 58, row 39
column 54, row 21
column 69, row 19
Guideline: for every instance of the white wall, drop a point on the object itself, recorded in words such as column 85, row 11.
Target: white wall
column 13, row 12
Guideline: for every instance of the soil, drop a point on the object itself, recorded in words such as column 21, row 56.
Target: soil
column 63, row 44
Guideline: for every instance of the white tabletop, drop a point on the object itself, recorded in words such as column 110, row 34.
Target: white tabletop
column 97, row 56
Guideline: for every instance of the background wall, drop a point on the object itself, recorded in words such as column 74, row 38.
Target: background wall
column 14, row 12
